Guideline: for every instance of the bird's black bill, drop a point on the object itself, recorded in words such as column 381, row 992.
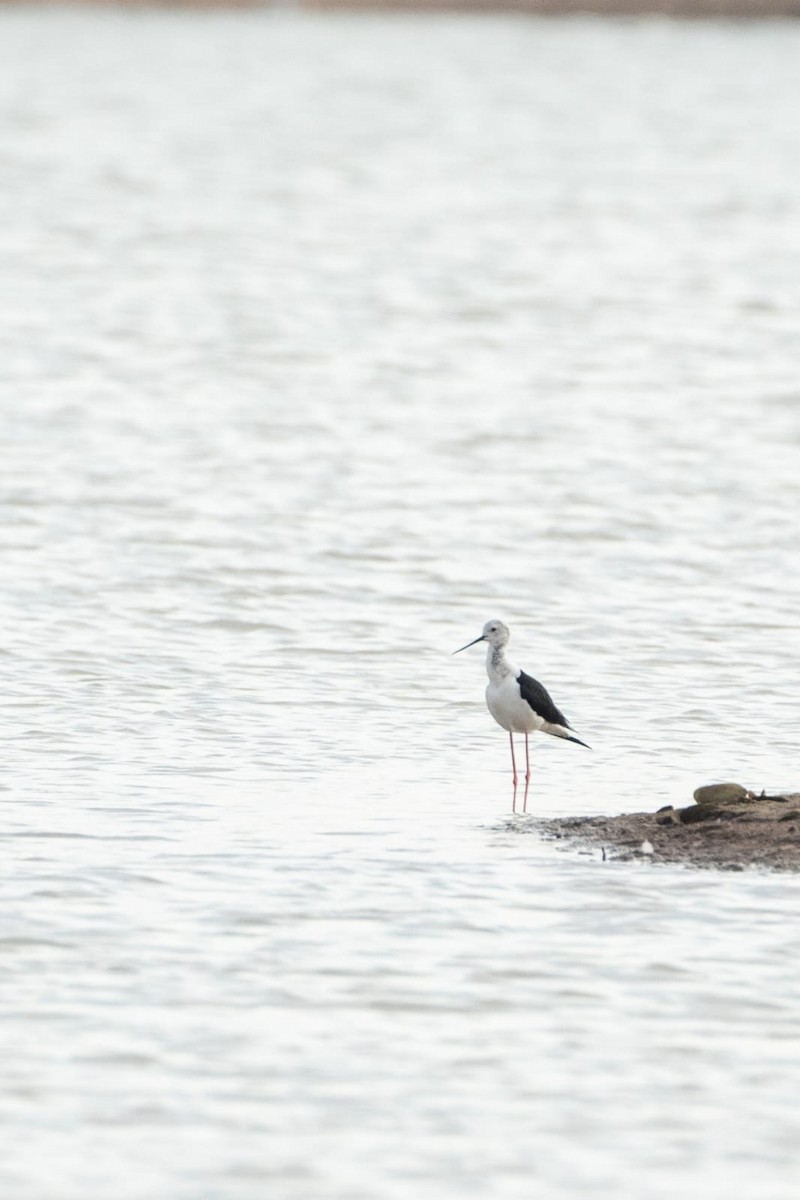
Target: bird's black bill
column 477, row 639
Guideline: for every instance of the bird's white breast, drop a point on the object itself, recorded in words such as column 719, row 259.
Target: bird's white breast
column 506, row 705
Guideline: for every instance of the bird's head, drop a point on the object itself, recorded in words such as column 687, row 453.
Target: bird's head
column 494, row 632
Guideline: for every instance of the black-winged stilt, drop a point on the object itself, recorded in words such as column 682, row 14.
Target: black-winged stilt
column 519, row 703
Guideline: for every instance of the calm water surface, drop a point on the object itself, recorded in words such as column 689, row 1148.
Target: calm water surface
column 326, row 339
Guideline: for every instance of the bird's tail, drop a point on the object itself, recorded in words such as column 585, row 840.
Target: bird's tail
column 578, row 741
column 565, row 732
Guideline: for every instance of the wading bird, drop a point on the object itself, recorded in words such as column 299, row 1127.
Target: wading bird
column 519, row 703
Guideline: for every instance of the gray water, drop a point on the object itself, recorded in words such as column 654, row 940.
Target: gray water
column 325, row 339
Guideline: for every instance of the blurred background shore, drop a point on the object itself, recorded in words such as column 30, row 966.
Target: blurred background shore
column 675, row 8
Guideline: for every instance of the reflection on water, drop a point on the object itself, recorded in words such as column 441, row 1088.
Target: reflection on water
column 327, row 339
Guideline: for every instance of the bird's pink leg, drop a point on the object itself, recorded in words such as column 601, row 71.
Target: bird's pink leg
column 513, row 760
column 527, row 776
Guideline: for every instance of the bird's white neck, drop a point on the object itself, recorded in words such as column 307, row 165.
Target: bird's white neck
column 497, row 665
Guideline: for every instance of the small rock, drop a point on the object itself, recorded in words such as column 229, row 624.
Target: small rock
column 721, row 793
column 667, row 816
column 646, row 848
column 695, row 813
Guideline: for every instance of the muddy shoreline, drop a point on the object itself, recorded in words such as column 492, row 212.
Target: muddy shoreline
column 727, row 829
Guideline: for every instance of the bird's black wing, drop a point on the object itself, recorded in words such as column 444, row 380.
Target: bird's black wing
column 540, row 700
